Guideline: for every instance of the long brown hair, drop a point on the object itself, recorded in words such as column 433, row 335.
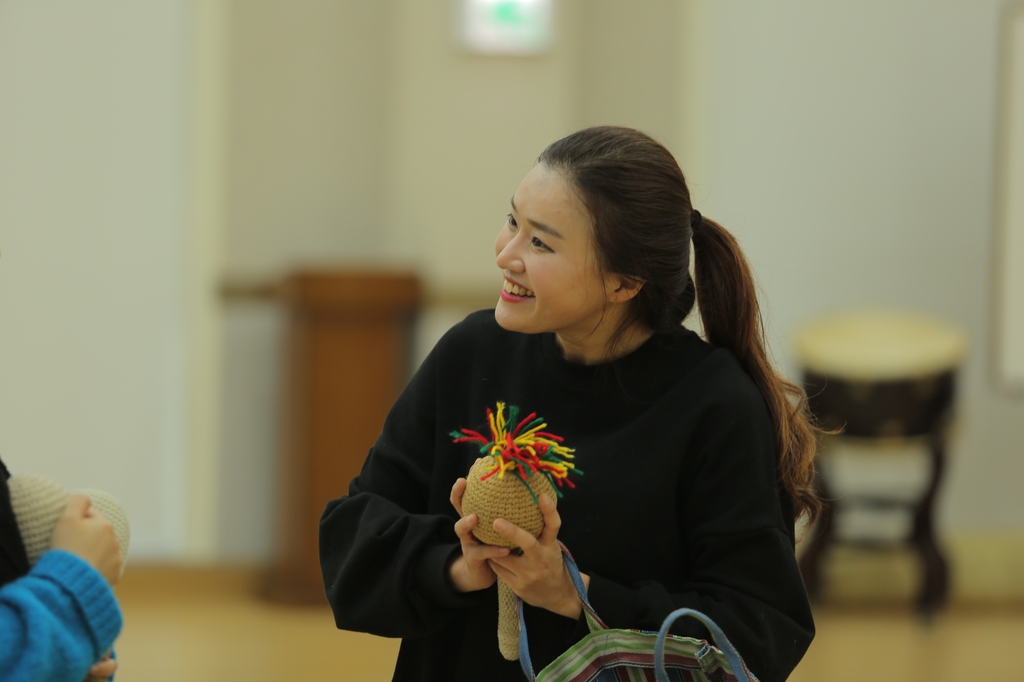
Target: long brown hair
column 643, row 225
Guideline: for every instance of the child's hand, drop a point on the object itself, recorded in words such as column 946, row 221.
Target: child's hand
column 83, row 531
column 471, row 572
column 102, row 670
column 538, row 574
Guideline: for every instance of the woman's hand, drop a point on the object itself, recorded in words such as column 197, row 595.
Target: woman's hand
column 85, row 532
column 471, row 572
column 539, row 575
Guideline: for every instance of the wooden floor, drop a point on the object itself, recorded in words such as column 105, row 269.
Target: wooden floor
column 207, row 626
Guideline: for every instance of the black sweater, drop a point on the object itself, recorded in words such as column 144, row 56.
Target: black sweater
column 13, row 559
column 679, row 504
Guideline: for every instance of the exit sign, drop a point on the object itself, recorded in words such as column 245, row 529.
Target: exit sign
column 516, row 27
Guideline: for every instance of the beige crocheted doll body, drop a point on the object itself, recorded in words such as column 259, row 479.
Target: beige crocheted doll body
column 520, row 463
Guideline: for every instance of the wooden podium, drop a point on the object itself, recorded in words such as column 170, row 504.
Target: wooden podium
column 348, row 352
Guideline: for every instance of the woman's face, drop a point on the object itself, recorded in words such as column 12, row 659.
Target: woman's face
column 552, row 280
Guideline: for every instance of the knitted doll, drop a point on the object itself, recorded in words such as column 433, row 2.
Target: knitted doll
column 38, row 502
column 519, row 463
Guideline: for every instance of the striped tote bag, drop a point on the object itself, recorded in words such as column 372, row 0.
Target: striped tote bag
column 611, row 655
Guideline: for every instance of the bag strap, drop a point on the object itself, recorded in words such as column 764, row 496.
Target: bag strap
column 593, row 620
column 595, row 623
column 719, row 638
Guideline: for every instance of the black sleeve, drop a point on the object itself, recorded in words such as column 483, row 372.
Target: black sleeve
column 737, row 525
column 13, row 559
column 382, row 552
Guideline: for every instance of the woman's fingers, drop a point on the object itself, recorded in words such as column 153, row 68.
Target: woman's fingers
column 457, row 491
column 514, row 534
column 464, row 527
column 482, row 553
column 503, row 571
column 520, row 538
column 472, row 548
column 552, row 521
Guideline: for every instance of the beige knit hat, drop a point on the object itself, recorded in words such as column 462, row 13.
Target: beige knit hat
column 38, row 502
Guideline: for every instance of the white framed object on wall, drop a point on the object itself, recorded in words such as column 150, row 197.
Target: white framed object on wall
column 507, row 27
column 1008, row 254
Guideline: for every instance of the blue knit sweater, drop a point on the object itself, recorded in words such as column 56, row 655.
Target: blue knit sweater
column 56, row 621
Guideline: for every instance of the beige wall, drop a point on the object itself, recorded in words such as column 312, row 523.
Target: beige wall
column 305, row 105
column 630, row 66
column 94, row 332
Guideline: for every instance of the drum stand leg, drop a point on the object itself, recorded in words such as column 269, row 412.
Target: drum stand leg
column 934, row 569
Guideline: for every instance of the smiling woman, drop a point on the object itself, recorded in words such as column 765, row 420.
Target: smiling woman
column 698, row 456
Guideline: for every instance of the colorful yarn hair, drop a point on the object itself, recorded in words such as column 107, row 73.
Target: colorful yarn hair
column 523, row 448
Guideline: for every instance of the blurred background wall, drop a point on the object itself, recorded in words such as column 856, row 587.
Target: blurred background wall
column 94, row 106
column 151, row 151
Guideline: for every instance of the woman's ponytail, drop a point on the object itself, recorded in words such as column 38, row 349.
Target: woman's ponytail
column 727, row 300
